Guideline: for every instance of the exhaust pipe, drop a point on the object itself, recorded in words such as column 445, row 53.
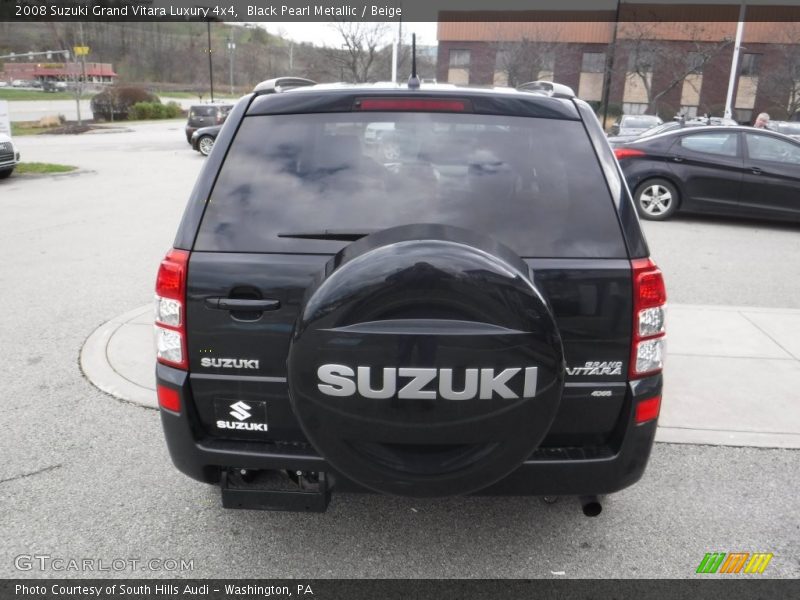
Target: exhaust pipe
column 591, row 505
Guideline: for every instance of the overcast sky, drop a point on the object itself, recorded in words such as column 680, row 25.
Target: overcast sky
column 324, row 34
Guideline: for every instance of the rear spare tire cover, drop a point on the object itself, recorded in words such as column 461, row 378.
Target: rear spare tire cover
column 425, row 362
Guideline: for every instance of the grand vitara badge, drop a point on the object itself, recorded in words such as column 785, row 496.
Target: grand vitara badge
column 594, row 368
column 426, row 383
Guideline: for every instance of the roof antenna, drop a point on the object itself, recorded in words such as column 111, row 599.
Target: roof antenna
column 413, row 81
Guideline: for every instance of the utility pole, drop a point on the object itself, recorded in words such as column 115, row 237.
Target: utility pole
column 210, row 64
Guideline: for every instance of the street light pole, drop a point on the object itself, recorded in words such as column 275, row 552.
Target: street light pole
column 737, row 46
column 231, row 49
column 609, row 68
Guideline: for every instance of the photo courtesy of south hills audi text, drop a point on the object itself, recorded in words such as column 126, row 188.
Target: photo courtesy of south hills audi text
column 166, row 590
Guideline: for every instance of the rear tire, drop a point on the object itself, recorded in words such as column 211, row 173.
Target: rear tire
column 205, row 144
column 656, row 200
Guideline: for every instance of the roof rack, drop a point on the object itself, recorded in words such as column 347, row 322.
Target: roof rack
column 281, row 84
column 557, row 90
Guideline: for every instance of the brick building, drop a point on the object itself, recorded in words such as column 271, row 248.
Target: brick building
column 663, row 67
column 58, row 71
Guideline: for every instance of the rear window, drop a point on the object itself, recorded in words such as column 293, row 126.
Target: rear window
column 203, row 111
column 788, row 128
column 639, row 122
column 533, row 184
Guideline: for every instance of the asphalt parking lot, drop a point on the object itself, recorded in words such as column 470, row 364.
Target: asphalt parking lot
column 87, row 476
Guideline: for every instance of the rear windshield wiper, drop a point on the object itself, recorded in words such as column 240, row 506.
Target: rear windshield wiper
column 328, row 234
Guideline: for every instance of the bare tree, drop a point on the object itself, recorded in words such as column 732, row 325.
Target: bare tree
column 529, row 58
column 525, row 60
column 674, row 62
column 360, row 47
column 780, row 83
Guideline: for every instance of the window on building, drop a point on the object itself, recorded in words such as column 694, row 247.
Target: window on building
column 695, row 61
column 750, row 64
column 743, row 115
column 641, row 61
column 593, row 66
column 593, row 62
column 459, row 58
column 458, row 72
column 547, row 60
column 502, row 60
column 634, row 108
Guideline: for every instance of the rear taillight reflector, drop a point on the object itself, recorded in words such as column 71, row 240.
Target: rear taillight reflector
column 648, row 343
column 168, row 398
column 650, row 356
column 170, row 307
column 412, row 104
column 169, row 346
column 621, row 153
column 647, row 410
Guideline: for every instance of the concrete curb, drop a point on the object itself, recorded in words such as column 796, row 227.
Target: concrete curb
column 721, row 437
column 119, row 358
column 98, row 370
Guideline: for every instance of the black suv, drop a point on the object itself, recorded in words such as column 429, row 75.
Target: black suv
column 205, row 115
column 472, row 312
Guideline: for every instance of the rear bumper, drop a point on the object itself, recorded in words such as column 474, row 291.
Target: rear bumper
column 549, row 471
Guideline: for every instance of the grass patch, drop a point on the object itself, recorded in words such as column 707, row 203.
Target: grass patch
column 36, row 168
column 12, row 94
column 27, row 128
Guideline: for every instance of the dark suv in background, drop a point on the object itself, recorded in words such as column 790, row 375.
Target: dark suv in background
column 205, row 115
column 473, row 312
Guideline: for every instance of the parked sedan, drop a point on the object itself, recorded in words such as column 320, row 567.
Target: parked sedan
column 203, row 139
column 619, row 140
column 633, row 125
column 725, row 170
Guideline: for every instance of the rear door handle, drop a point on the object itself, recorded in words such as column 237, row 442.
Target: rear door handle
column 242, row 304
column 677, row 159
column 756, row 171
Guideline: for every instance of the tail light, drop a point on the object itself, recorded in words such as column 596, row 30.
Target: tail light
column 649, row 333
column 170, row 309
column 649, row 303
column 621, row 153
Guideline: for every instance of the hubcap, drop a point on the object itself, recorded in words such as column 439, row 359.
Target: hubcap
column 655, row 200
column 205, row 145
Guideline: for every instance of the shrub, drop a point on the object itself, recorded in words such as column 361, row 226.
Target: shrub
column 115, row 103
column 173, row 110
column 155, row 110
